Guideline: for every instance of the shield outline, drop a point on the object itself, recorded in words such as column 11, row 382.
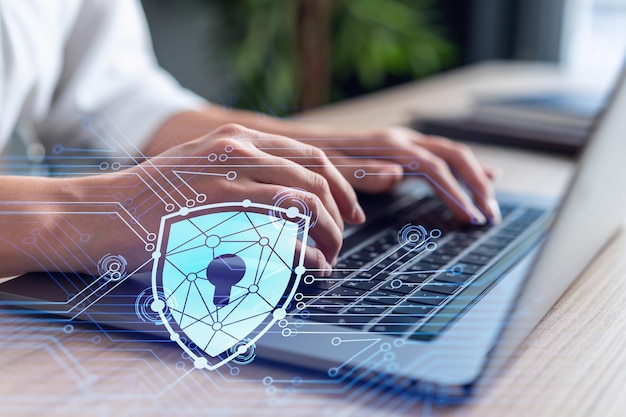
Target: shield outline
column 298, row 270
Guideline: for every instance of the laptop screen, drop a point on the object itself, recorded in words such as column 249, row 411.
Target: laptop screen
column 591, row 212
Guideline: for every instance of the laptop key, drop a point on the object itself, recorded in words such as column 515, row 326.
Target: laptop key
column 400, row 319
column 437, row 259
column 413, row 278
column 363, row 256
column 454, row 278
column 441, row 288
column 355, row 263
column 389, row 262
column 497, row 241
column 324, row 283
column 451, row 250
column 397, row 286
column 327, row 305
column 507, row 209
column 476, row 259
column 424, row 267
column 382, row 297
column 396, row 329
column 468, row 268
column 420, row 310
column 368, row 309
column 365, row 275
column 486, row 251
column 532, row 213
column 350, row 320
column 364, row 285
column 343, row 292
column 427, row 297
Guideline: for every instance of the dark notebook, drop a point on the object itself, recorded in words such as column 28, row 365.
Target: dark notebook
column 557, row 122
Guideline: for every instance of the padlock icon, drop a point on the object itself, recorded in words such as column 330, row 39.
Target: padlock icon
column 229, row 270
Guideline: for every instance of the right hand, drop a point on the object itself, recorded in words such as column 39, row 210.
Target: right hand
column 264, row 164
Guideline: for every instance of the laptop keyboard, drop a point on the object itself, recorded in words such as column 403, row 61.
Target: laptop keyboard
column 416, row 289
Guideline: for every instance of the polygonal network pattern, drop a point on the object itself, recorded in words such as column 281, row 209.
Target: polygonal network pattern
column 205, row 254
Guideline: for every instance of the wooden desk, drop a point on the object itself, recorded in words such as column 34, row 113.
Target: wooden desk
column 572, row 364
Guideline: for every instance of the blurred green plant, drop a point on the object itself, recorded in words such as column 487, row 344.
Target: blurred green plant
column 298, row 54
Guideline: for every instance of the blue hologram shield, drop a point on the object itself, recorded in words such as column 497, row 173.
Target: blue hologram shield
column 225, row 273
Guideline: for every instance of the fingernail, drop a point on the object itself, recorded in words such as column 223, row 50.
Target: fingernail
column 478, row 218
column 358, row 214
column 494, row 208
column 497, row 173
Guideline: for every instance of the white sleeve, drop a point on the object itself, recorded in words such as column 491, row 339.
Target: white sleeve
column 110, row 71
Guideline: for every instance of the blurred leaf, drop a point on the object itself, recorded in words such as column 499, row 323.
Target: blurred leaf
column 372, row 40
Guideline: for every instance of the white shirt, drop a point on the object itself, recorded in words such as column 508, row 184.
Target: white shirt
column 61, row 60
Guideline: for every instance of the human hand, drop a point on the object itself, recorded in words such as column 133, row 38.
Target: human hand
column 375, row 161
column 237, row 164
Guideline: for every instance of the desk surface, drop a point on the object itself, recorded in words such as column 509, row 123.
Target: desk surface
column 574, row 363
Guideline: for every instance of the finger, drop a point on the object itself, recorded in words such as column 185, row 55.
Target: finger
column 323, row 228
column 314, row 260
column 284, row 172
column 492, row 173
column 463, row 162
column 271, row 169
column 303, row 154
column 418, row 161
column 317, row 161
column 369, row 175
column 437, row 172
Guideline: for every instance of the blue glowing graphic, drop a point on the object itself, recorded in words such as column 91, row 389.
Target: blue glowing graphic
column 224, row 273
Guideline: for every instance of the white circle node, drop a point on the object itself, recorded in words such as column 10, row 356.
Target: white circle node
column 396, row 283
column 246, row 203
column 264, row 241
column 213, row 241
column 280, row 313
column 157, row 306
column 253, row 288
column 200, row 363
column 241, row 349
column 300, row 270
column 156, row 255
column 217, row 326
column 175, row 337
column 292, row 212
column 183, row 211
column 192, row 276
column 359, row 173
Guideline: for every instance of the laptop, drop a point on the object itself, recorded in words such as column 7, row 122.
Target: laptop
column 441, row 305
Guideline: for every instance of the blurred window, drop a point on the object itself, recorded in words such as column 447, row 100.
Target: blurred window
column 595, row 38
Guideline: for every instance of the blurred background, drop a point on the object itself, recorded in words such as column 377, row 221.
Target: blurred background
column 283, row 56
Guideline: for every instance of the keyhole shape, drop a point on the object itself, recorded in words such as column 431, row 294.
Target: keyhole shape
column 223, row 272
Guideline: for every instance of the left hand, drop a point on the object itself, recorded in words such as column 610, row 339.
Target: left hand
column 377, row 160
